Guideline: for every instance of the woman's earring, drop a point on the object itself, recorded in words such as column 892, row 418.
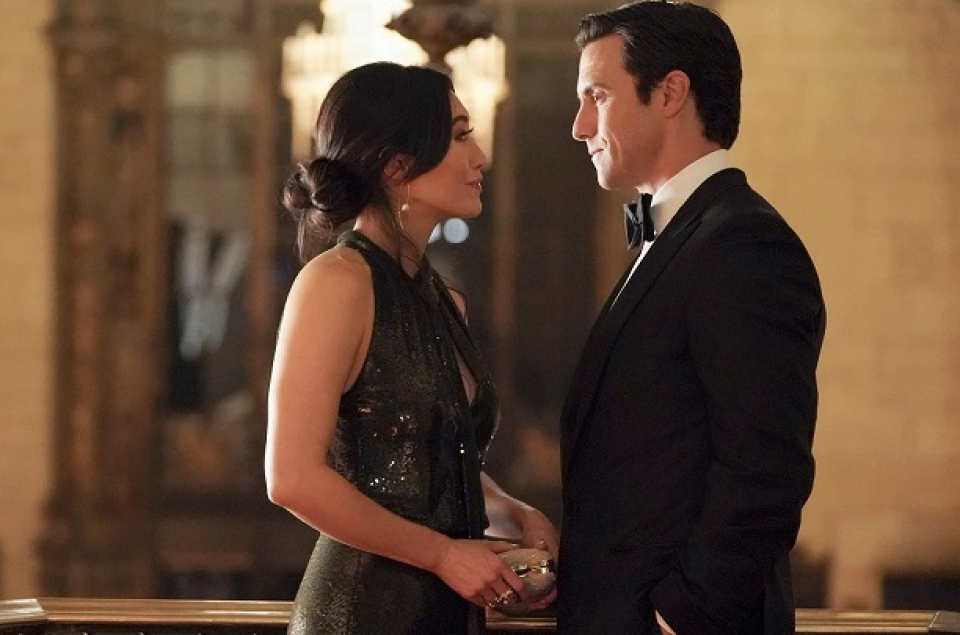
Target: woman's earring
column 406, row 204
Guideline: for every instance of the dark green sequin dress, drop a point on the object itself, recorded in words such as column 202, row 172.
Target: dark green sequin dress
column 407, row 438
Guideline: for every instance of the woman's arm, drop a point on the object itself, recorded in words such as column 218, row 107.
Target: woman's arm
column 518, row 519
column 513, row 517
column 321, row 346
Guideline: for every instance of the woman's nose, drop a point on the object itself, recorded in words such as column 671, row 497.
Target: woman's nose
column 480, row 158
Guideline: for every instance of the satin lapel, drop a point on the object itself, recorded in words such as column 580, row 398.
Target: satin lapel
column 571, row 407
column 611, row 321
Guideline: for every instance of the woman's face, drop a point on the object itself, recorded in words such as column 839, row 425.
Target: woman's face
column 451, row 189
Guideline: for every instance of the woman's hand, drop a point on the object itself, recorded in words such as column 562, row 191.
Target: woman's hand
column 538, row 532
column 514, row 517
column 473, row 569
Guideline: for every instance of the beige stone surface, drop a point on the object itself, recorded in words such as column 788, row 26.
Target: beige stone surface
column 26, row 252
column 852, row 127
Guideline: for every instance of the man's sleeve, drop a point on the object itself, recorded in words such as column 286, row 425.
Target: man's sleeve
column 755, row 323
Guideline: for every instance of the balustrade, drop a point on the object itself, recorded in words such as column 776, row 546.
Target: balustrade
column 76, row 616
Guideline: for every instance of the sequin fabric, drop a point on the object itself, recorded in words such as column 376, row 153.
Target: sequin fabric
column 407, row 438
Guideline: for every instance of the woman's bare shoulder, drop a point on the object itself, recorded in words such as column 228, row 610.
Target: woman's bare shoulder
column 338, row 265
column 339, row 274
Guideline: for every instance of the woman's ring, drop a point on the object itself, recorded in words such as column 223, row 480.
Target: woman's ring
column 506, row 597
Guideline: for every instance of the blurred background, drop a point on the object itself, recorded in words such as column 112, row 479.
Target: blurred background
column 144, row 260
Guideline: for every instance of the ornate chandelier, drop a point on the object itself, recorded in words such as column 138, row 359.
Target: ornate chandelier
column 450, row 35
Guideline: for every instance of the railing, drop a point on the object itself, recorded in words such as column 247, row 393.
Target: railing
column 68, row 616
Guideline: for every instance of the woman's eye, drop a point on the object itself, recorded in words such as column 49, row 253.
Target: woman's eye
column 463, row 136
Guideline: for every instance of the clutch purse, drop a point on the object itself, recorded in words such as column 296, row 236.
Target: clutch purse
column 537, row 570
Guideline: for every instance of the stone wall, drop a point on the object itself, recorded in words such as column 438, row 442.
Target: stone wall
column 27, row 183
column 852, row 127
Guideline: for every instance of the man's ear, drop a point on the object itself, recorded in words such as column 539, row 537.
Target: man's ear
column 397, row 168
column 675, row 92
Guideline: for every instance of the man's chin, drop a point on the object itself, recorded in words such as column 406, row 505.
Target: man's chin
column 612, row 186
column 605, row 182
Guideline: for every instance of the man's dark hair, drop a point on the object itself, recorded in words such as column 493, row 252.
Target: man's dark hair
column 659, row 37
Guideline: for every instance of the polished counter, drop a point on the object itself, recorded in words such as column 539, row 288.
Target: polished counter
column 65, row 616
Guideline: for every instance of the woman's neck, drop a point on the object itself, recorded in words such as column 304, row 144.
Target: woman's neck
column 406, row 246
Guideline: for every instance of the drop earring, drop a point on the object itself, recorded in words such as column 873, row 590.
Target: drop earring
column 406, row 204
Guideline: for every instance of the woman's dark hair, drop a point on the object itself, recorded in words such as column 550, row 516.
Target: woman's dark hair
column 659, row 37
column 372, row 114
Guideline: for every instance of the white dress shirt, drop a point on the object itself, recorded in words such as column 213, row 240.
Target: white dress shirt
column 668, row 200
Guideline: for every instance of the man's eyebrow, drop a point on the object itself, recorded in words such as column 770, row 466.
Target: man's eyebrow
column 591, row 87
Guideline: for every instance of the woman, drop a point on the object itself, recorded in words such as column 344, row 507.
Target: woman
column 380, row 407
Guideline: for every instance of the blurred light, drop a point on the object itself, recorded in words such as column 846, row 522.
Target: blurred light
column 355, row 32
column 455, row 231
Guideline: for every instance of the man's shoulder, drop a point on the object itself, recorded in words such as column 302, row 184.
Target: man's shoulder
column 736, row 204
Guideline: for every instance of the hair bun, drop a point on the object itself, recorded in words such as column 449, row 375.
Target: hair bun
column 317, row 201
column 329, row 187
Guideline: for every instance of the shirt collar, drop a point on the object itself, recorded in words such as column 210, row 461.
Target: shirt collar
column 675, row 192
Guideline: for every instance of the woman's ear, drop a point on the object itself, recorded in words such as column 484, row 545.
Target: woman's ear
column 397, row 168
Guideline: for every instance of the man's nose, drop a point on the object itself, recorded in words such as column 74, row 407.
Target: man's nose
column 582, row 127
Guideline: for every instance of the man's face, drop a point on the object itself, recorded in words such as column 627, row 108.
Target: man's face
column 624, row 137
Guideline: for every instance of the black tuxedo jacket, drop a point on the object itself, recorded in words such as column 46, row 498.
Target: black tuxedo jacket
column 686, row 435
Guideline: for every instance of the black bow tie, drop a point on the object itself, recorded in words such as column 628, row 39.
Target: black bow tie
column 638, row 222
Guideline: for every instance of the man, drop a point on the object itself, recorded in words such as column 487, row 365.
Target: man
column 686, row 436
